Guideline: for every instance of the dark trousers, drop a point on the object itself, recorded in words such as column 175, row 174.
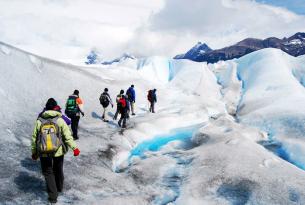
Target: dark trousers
column 116, row 113
column 74, row 125
column 52, row 169
column 123, row 119
column 152, row 107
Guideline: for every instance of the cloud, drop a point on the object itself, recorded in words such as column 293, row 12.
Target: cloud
column 218, row 23
column 64, row 29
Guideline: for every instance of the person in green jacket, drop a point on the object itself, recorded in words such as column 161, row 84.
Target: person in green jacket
column 52, row 164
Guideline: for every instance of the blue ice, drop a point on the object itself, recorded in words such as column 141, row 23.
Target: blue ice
column 184, row 135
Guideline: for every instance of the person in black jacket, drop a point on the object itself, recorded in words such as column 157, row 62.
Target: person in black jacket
column 152, row 98
column 105, row 100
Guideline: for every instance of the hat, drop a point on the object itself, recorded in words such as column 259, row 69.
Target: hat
column 76, row 92
column 106, row 89
column 51, row 103
column 121, row 91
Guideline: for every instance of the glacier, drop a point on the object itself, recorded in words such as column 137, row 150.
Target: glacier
column 205, row 144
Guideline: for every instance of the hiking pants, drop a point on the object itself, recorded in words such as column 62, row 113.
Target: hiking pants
column 74, row 125
column 116, row 113
column 132, row 107
column 52, row 169
column 152, row 107
column 104, row 116
column 123, row 118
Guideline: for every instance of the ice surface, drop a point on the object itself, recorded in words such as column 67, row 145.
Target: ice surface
column 240, row 105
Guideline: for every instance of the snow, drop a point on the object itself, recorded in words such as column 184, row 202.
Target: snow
column 206, row 143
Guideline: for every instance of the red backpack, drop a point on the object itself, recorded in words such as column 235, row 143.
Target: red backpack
column 149, row 96
column 122, row 102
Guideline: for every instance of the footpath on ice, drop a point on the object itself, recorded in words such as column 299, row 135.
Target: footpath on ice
column 201, row 147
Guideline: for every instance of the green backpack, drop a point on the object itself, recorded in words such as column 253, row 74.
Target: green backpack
column 49, row 138
column 71, row 106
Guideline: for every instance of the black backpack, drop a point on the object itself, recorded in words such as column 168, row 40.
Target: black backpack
column 104, row 100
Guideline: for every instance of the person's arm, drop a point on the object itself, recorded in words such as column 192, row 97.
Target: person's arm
column 80, row 105
column 34, row 137
column 66, row 134
column 155, row 97
column 109, row 98
column 133, row 95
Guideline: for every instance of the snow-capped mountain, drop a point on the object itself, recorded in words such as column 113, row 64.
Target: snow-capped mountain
column 294, row 45
column 122, row 58
column 195, row 52
column 225, row 133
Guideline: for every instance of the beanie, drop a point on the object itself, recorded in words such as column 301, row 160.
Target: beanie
column 51, row 103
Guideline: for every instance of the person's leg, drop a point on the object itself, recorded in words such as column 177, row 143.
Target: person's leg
column 58, row 163
column 47, row 171
column 153, row 107
column 124, row 115
column 150, row 107
column 105, row 114
column 116, row 113
column 74, row 126
column 132, row 108
column 120, row 120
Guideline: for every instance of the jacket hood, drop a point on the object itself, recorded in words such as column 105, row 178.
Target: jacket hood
column 51, row 114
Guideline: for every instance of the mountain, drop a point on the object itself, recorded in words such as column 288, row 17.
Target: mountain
column 195, row 52
column 123, row 57
column 294, row 45
column 202, row 146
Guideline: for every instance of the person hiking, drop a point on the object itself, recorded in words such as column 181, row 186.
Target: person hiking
column 131, row 97
column 118, row 97
column 105, row 100
column 74, row 107
column 50, row 141
column 122, row 107
column 152, row 98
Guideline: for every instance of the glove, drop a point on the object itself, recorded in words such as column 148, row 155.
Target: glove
column 83, row 114
column 34, row 157
column 76, row 152
column 112, row 106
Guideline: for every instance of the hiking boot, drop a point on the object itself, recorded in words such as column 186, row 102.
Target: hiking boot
column 52, row 201
column 133, row 114
column 106, row 120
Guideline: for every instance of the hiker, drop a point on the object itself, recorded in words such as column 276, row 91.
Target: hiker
column 118, row 97
column 122, row 107
column 152, row 98
column 131, row 97
column 74, row 107
column 50, row 141
column 105, row 100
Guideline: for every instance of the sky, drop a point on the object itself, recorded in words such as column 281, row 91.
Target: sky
column 297, row 6
column 69, row 29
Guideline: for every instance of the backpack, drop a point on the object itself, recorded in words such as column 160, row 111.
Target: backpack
column 104, row 100
column 49, row 138
column 128, row 93
column 122, row 103
column 149, row 96
column 71, row 106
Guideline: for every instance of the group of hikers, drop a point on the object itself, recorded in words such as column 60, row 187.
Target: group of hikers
column 52, row 137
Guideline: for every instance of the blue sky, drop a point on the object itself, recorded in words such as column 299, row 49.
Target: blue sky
column 297, row 6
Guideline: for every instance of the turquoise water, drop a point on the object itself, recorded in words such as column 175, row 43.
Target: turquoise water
column 184, row 135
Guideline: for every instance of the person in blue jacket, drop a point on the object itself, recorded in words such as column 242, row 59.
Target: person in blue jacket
column 131, row 98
